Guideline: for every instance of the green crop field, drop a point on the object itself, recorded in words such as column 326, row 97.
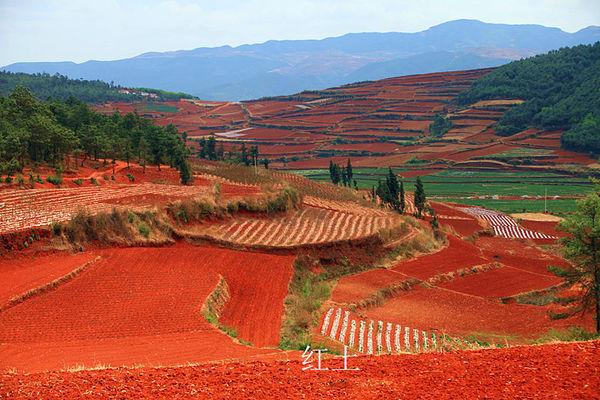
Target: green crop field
column 156, row 107
column 454, row 186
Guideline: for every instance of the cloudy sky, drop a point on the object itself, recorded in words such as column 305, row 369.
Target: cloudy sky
column 80, row 30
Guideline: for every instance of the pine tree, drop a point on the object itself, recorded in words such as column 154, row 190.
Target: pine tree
column 393, row 189
column 402, row 198
column 211, row 150
column 344, row 176
column 202, row 144
column 420, row 198
column 349, row 172
column 331, row 171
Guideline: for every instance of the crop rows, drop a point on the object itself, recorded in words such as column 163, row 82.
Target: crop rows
column 306, row 226
column 25, row 209
column 505, row 226
column 379, row 337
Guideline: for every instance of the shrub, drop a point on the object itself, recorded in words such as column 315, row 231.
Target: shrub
column 144, row 230
column 131, row 177
column 93, row 181
column 78, row 181
column 8, row 179
column 53, row 179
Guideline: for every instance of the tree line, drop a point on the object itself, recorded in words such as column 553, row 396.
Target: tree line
column 560, row 90
column 390, row 192
column 209, row 149
column 60, row 87
column 34, row 132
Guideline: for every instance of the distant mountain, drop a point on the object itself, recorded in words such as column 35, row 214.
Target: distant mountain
column 288, row 66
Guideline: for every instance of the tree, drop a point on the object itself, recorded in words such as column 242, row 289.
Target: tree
column 420, row 198
column 254, row 155
column 337, row 174
column 265, row 162
column 211, row 149
column 402, row 199
column 202, row 150
column 344, row 176
column 349, row 171
column 582, row 247
column 393, row 189
column 383, row 192
column 331, row 170
column 440, row 125
column 244, row 155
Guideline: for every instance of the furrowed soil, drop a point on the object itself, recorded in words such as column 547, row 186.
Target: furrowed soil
column 558, row 371
column 143, row 305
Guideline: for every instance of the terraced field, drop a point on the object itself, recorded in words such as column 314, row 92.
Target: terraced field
column 318, row 222
column 375, row 123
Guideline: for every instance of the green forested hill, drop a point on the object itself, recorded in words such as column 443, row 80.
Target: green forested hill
column 561, row 90
column 59, row 87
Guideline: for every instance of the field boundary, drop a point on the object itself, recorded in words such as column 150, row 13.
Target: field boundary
column 14, row 301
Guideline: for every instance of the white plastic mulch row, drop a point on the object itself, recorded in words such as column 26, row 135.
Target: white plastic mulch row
column 505, row 226
column 370, row 337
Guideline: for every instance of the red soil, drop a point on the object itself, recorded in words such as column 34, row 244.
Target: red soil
column 457, row 255
column 560, row 371
column 464, row 314
column 25, row 272
column 547, row 227
column 502, row 282
column 139, row 298
column 519, row 254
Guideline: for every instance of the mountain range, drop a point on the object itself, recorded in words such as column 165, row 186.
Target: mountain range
column 279, row 67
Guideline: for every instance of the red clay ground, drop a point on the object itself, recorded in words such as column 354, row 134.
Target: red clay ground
column 557, row 371
column 143, row 305
column 459, row 314
column 20, row 274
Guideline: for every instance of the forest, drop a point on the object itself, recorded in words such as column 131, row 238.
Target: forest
column 560, row 90
column 45, row 86
column 34, row 132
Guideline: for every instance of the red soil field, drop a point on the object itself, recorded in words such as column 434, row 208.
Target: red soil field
column 502, row 282
column 519, row 254
column 25, row 272
column 547, row 227
column 457, row 255
column 560, row 371
column 461, row 314
column 139, row 297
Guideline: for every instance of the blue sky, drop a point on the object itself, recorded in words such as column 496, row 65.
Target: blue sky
column 79, row 30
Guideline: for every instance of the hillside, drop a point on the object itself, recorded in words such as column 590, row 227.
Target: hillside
column 559, row 90
column 60, row 87
column 289, row 66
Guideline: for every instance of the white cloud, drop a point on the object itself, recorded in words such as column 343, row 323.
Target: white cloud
column 79, row 30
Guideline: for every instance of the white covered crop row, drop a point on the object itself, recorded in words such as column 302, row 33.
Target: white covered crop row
column 377, row 337
column 505, row 226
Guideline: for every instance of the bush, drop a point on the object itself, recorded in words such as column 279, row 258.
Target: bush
column 55, row 180
column 8, row 179
column 93, row 181
column 131, row 178
column 78, row 181
column 144, row 230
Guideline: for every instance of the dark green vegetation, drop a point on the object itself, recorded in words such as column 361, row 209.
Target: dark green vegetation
column 560, row 90
column 60, row 87
column 440, row 125
column 582, row 247
column 34, row 132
